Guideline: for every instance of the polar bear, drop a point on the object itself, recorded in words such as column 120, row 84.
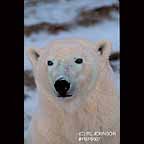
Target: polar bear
column 77, row 95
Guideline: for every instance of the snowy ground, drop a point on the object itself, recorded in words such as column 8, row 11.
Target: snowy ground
column 30, row 106
column 62, row 12
column 116, row 65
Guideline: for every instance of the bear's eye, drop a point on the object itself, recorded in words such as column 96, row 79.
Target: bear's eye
column 79, row 61
column 50, row 63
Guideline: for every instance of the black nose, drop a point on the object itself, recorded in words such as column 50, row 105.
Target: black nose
column 62, row 86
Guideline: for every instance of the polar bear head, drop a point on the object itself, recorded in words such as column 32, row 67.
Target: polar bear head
column 69, row 68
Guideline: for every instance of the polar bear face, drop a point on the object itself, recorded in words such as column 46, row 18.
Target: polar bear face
column 70, row 68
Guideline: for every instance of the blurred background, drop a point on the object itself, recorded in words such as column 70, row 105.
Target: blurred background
column 47, row 20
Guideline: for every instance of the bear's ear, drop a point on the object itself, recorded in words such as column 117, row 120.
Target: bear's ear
column 104, row 48
column 33, row 54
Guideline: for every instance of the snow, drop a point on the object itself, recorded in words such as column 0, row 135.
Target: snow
column 62, row 12
column 106, row 30
column 30, row 106
column 31, row 102
column 116, row 64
